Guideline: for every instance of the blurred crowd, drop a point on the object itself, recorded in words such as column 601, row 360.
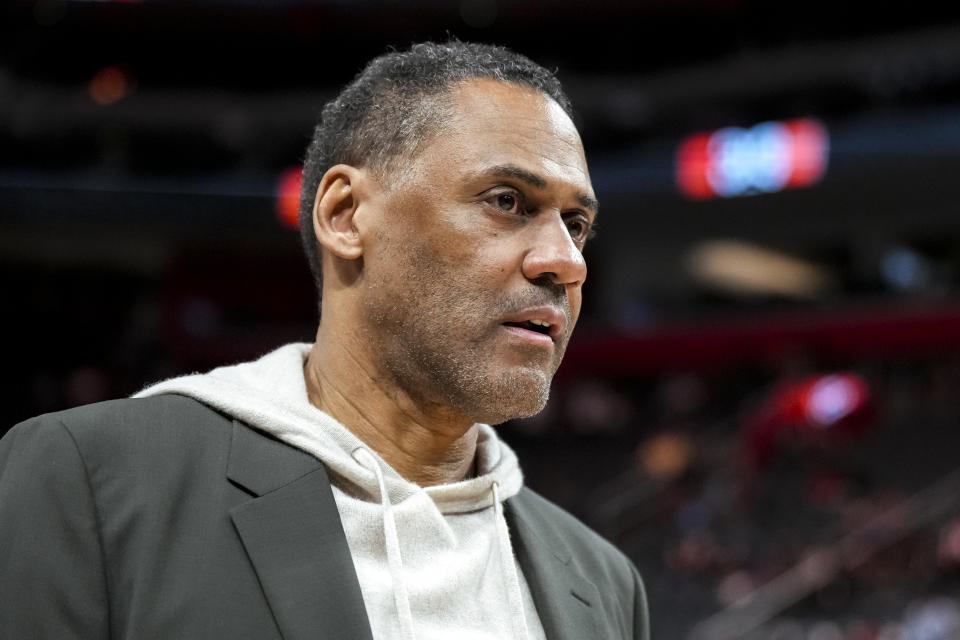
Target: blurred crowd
column 817, row 505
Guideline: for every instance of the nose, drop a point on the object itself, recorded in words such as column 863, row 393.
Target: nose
column 553, row 253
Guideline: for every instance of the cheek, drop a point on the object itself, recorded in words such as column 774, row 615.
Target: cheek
column 470, row 255
column 575, row 295
column 499, row 253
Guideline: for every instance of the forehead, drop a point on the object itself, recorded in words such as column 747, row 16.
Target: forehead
column 494, row 123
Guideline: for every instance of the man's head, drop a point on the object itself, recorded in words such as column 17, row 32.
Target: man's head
column 396, row 104
column 455, row 272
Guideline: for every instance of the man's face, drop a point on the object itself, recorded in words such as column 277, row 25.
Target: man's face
column 472, row 285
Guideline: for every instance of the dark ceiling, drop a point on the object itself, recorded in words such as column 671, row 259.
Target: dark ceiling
column 219, row 98
column 239, row 83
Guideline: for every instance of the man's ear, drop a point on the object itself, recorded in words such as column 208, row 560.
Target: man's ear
column 335, row 206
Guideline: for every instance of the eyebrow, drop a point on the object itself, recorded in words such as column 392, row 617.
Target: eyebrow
column 513, row 171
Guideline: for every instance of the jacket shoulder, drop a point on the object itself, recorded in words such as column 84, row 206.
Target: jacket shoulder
column 153, row 430
column 166, row 414
column 166, row 408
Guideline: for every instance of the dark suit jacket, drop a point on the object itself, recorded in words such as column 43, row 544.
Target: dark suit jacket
column 162, row 518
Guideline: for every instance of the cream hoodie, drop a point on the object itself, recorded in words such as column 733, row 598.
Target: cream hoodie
column 434, row 562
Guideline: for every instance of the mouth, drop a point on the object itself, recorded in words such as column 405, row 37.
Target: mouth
column 545, row 324
column 537, row 326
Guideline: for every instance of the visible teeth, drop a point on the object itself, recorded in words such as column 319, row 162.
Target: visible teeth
column 540, row 323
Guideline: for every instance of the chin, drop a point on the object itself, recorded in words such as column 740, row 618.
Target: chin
column 514, row 394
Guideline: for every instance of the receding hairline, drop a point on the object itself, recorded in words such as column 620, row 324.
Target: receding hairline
column 444, row 103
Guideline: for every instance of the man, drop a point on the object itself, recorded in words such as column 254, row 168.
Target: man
column 352, row 488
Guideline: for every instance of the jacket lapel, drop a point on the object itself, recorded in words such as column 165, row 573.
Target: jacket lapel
column 294, row 538
column 568, row 603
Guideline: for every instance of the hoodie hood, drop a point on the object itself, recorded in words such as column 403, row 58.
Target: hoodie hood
column 270, row 394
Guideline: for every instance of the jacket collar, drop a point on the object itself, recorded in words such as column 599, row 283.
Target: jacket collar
column 567, row 602
column 292, row 533
column 293, row 536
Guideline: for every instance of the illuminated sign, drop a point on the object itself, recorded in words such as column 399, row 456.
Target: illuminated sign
column 768, row 157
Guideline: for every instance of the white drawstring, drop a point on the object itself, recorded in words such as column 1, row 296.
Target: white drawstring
column 509, row 567
column 394, row 559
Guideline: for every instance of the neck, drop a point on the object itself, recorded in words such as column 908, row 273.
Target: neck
column 426, row 447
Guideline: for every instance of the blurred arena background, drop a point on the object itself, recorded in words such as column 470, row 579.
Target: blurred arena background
column 761, row 407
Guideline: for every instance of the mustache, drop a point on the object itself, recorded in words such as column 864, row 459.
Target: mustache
column 546, row 293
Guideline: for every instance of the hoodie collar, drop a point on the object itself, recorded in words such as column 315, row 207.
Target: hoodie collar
column 270, row 395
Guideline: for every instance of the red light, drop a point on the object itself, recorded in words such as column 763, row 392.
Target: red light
column 109, row 85
column 693, row 163
column 288, row 196
column 809, row 152
column 829, row 409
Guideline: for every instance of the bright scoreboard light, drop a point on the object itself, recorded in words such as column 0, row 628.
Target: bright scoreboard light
column 768, row 157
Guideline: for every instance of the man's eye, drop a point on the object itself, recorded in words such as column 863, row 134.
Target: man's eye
column 579, row 229
column 507, row 202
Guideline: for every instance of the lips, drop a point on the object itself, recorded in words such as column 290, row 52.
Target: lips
column 546, row 321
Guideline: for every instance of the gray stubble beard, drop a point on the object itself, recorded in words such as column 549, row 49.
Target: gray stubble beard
column 434, row 371
column 435, row 366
